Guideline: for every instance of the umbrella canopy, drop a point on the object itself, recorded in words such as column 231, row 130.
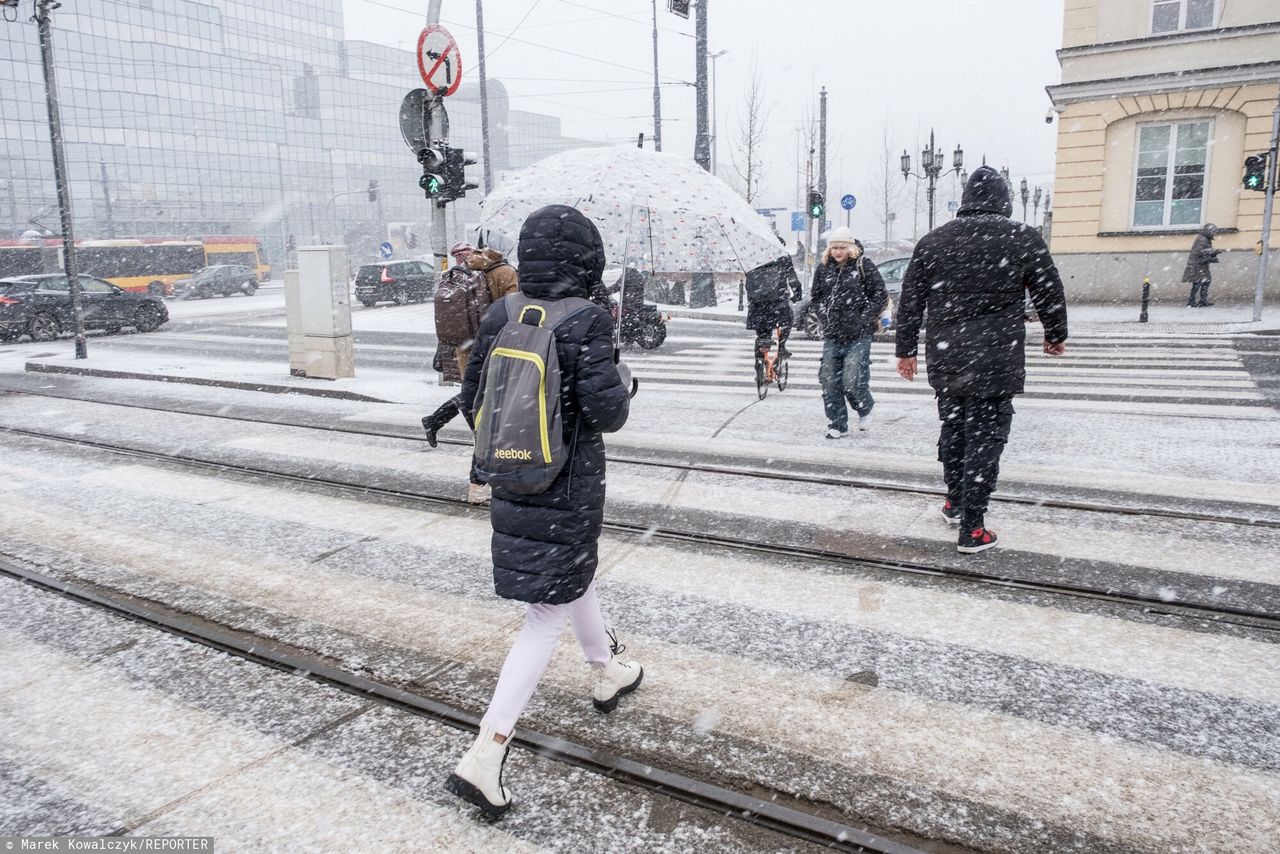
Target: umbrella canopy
column 655, row 211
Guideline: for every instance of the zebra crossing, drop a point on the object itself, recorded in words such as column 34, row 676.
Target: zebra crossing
column 1142, row 375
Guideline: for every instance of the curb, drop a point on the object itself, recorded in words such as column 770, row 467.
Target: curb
column 267, row 388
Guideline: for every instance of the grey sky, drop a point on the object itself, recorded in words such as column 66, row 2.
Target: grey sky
column 973, row 69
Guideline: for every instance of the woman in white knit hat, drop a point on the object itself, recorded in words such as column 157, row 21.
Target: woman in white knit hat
column 849, row 294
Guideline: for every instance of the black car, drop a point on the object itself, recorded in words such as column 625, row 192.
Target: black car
column 892, row 271
column 400, row 282
column 40, row 307
column 218, row 280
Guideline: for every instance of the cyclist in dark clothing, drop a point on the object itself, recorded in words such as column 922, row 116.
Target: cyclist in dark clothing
column 769, row 288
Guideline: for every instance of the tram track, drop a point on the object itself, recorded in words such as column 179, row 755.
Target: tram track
column 702, row 467
column 789, row 821
column 1148, row 603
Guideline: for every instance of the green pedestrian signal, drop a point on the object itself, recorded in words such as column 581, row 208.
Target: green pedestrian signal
column 1255, row 172
column 432, row 184
column 817, row 205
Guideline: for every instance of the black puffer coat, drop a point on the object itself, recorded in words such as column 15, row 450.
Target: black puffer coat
column 848, row 297
column 544, row 546
column 971, row 274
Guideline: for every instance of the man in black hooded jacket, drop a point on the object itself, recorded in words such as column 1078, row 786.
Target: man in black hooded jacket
column 971, row 275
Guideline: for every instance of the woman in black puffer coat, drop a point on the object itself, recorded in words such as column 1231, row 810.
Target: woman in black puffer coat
column 545, row 545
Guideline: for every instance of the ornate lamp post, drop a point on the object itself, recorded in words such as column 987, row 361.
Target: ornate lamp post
column 1026, row 197
column 932, row 163
column 1035, row 205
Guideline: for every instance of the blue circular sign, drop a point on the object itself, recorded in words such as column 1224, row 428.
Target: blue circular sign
column 387, row 250
column 849, row 202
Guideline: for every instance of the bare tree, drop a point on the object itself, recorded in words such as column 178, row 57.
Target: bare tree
column 891, row 192
column 748, row 151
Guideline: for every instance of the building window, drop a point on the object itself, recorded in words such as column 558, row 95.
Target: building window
column 1170, row 16
column 1172, row 162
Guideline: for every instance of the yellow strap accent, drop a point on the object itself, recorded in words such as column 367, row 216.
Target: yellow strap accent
column 536, row 308
column 542, row 389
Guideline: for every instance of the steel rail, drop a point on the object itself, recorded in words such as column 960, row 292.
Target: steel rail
column 735, row 471
column 1148, row 603
column 788, row 821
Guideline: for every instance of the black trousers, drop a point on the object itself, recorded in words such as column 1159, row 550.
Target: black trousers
column 1199, row 293
column 973, row 436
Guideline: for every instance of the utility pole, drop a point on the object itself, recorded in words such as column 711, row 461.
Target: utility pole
column 439, row 228
column 702, row 143
column 1273, row 155
column 106, row 199
column 484, row 98
column 822, row 154
column 13, row 206
column 43, row 24
column 657, row 87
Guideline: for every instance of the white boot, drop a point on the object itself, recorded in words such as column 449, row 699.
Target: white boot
column 478, row 777
column 614, row 679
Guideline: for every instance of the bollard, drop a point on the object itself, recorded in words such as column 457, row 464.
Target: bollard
column 742, row 293
column 1146, row 298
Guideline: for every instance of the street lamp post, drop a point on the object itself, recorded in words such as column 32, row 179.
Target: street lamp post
column 1026, row 196
column 715, row 117
column 1035, row 205
column 933, row 162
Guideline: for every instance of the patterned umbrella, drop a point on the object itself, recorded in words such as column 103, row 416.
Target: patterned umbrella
column 655, row 211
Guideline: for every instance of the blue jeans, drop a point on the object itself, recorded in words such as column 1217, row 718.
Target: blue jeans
column 846, row 376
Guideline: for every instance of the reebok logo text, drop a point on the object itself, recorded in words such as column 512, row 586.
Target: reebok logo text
column 512, row 454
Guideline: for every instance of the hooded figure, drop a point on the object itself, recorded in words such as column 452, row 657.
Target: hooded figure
column 501, row 277
column 1197, row 271
column 544, row 545
column 971, row 275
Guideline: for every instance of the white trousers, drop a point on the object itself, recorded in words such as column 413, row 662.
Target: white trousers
column 532, row 651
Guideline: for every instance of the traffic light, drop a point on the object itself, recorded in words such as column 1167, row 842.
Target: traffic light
column 433, row 170
column 1255, row 172
column 817, row 205
column 455, row 173
column 373, row 189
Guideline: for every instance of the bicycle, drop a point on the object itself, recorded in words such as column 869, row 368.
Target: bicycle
column 771, row 368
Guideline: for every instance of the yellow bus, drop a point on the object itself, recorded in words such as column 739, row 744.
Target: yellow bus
column 135, row 264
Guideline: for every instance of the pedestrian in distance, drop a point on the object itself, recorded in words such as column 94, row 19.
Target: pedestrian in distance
column 544, row 544
column 461, row 300
column 849, row 294
column 501, row 277
column 1197, row 270
column 771, row 288
column 970, row 275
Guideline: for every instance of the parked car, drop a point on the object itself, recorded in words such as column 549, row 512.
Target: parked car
column 40, row 307
column 400, row 282
column 892, row 271
column 218, row 280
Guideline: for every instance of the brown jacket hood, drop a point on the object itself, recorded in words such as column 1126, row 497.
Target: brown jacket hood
column 485, row 260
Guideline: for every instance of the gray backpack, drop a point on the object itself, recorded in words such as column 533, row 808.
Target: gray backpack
column 520, row 444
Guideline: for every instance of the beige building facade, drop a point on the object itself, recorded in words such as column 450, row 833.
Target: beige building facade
column 1160, row 103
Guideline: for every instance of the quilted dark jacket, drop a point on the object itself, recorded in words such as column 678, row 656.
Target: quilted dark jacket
column 545, row 546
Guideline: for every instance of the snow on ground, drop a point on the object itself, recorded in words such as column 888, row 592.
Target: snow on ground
column 995, row 721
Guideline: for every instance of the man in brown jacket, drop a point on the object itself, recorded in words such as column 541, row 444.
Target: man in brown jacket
column 500, row 275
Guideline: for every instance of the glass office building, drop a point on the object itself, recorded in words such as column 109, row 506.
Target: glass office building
column 219, row 117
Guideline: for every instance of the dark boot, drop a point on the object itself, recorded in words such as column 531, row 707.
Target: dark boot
column 435, row 422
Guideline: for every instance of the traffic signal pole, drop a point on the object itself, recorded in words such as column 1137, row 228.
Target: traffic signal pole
column 42, row 10
column 439, row 230
column 1273, row 155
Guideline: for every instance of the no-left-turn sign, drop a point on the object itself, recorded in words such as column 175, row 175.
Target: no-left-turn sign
column 439, row 60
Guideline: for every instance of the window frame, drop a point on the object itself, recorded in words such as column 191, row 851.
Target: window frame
column 1182, row 18
column 1171, row 174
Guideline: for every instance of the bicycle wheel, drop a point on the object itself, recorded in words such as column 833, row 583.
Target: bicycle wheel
column 762, row 381
column 781, row 370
